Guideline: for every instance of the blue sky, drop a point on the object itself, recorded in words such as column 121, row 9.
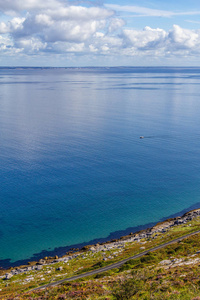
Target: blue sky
column 163, row 14
column 99, row 33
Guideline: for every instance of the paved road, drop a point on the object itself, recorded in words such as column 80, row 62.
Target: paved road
column 115, row 265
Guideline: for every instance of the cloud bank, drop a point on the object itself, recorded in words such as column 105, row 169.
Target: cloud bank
column 56, row 27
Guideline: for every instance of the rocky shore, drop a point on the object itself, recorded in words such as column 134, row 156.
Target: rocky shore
column 118, row 244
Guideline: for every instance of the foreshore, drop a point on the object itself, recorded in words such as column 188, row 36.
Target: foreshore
column 149, row 233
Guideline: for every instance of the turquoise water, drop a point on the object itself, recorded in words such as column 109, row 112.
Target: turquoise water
column 73, row 168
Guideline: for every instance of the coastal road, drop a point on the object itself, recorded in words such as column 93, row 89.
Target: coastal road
column 115, row 265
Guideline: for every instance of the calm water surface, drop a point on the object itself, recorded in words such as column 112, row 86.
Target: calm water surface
column 72, row 165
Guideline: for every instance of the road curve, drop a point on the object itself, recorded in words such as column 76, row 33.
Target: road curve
column 115, row 265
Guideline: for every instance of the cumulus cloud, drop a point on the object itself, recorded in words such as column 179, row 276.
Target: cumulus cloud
column 4, row 28
column 71, row 31
column 57, row 27
column 158, row 41
column 80, row 13
column 115, row 24
column 66, row 24
column 184, row 38
column 11, row 26
column 5, row 44
column 44, row 20
column 30, row 45
column 8, row 6
column 147, row 38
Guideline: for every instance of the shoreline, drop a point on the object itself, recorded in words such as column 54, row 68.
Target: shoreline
column 159, row 227
column 113, row 262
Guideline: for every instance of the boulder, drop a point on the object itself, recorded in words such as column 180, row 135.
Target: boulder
column 8, row 276
column 165, row 262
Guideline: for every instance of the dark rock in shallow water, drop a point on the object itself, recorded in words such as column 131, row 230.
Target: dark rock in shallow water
column 41, row 262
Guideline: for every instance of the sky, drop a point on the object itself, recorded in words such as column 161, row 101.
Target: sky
column 70, row 33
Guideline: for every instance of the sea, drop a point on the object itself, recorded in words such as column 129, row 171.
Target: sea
column 73, row 168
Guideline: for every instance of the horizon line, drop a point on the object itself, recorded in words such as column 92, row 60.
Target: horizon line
column 104, row 67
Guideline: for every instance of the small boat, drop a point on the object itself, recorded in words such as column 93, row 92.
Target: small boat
column 141, row 137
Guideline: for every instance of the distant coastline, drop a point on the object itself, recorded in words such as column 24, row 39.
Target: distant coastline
column 119, row 69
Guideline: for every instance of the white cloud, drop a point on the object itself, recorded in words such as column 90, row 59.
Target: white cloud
column 70, row 24
column 57, row 27
column 145, row 11
column 70, row 31
column 177, row 41
column 87, row 37
column 65, row 47
column 7, row 6
column 30, row 45
column 5, row 44
column 105, row 44
column 184, row 38
column 4, row 28
column 194, row 22
column 115, row 24
column 44, row 20
column 80, row 13
column 147, row 38
column 11, row 26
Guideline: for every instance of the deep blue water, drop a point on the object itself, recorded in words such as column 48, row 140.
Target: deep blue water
column 72, row 165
